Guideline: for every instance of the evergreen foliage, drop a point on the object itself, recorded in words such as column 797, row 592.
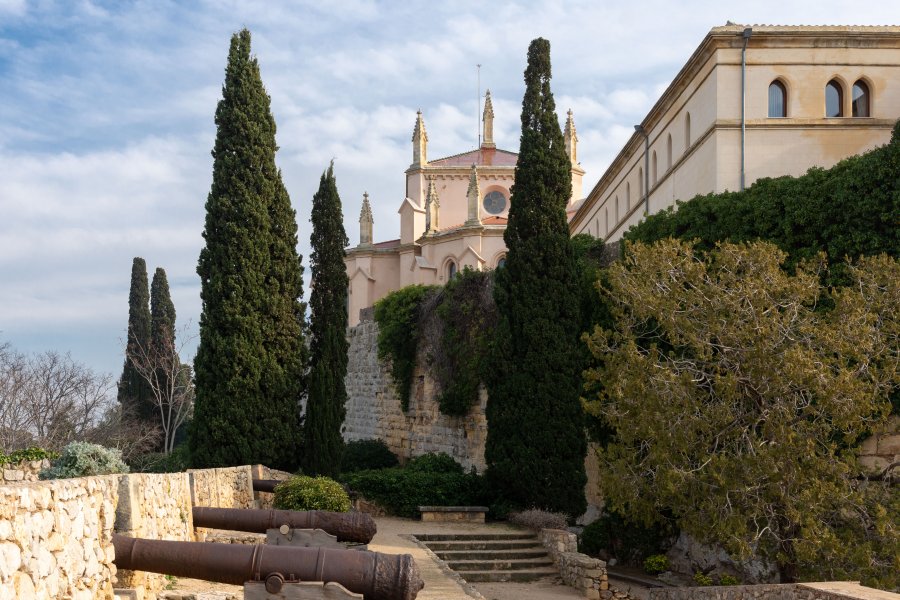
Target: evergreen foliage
column 251, row 360
column 364, row 455
column 721, row 374
column 849, row 210
column 302, row 492
column 82, row 459
column 162, row 328
column 398, row 318
column 134, row 392
column 536, row 444
column 328, row 329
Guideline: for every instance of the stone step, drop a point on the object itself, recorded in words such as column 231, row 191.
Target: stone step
column 498, row 576
column 460, row 537
column 456, row 555
column 519, row 564
column 484, row 545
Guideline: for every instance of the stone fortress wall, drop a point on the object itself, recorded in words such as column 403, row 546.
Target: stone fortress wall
column 56, row 535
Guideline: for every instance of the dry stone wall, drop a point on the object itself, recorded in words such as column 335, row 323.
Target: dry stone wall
column 56, row 536
column 582, row 572
column 24, row 471
column 373, row 408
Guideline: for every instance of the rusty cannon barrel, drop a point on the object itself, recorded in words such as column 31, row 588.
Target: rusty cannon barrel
column 374, row 575
column 347, row 527
column 265, row 485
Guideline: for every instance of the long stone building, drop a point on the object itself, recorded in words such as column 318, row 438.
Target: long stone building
column 751, row 102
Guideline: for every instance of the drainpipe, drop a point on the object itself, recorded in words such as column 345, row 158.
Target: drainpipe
column 746, row 38
column 640, row 130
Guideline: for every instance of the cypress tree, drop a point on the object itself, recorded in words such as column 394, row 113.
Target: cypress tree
column 133, row 392
column 536, row 445
column 251, row 359
column 162, row 332
column 328, row 329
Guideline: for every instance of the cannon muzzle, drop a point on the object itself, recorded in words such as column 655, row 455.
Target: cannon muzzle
column 347, row 527
column 265, row 485
column 374, row 575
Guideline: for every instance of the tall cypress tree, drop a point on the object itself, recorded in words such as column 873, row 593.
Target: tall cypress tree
column 536, row 445
column 133, row 392
column 251, row 359
column 328, row 329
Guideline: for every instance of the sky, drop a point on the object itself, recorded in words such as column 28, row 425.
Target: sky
column 106, row 121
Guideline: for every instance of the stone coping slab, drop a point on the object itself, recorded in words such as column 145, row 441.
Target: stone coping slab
column 483, row 509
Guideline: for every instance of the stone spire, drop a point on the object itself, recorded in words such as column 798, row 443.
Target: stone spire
column 473, row 195
column 365, row 222
column 432, row 204
column 488, row 119
column 420, row 141
column 571, row 139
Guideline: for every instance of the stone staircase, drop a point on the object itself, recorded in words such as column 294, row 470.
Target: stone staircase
column 492, row 557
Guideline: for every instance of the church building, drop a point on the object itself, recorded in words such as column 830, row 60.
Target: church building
column 453, row 216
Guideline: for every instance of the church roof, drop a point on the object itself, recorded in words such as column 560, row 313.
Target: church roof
column 482, row 157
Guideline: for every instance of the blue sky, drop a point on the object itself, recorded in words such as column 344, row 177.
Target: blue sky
column 106, row 121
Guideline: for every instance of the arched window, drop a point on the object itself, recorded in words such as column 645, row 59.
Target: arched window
column 861, row 99
column 451, row 270
column 834, row 99
column 669, row 152
column 502, row 262
column 607, row 223
column 653, row 161
column 617, row 209
column 640, row 184
column 777, row 100
column 627, row 196
column 687, row 131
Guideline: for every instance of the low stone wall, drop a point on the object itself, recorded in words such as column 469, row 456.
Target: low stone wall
column 577, row 570
column 154, row 506
column 56, row 535
column 56, row 538
column 24, row 471
column 838, row 590
column 230, row 487
column 266, row 499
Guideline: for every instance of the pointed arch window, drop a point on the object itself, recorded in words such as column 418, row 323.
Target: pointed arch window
column 777, row 100
column 669, row 152
column 834, row 99
column 861, row 99
column 451, row 270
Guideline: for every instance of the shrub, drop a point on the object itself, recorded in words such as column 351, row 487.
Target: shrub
column 702, row 579
column 401, row 491
column 729, row 580
column 656, row 563
column 538, row 519
column 81, row 459
column 362, row 455
column 435, row 462
column 301, row 492
column 159, row 462
column 629, row 542
column 27, row 454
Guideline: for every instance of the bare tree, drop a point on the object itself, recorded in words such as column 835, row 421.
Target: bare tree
column 120, row 428
column 169, row 380
column 14, row 432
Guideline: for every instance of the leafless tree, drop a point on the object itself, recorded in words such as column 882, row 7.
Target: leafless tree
column 14, row 431
column 120, row 428
column 172, row 392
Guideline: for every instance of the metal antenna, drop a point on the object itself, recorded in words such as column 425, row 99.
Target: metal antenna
column 478, row 114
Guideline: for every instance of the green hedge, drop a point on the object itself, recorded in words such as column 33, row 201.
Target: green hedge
column 849, row 210
column 30, row 454
column 363, row 455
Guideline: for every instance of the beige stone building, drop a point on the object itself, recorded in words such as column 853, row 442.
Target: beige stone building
column 751, row 102
column 452, row 216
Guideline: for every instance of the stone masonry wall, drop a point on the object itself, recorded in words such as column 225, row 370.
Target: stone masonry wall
column 24, row 471
column 840, row 590
column 877, row 452
column 56, row 536
column 373, row 408
column 580, row 571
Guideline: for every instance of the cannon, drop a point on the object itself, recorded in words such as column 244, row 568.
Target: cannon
column 265, row 485
column 374, row 575
column 346, row 527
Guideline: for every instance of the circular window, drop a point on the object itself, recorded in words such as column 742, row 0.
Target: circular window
column 494, row 202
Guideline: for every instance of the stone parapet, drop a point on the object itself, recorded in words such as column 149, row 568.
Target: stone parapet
column 24, row 471
column 577, row 570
